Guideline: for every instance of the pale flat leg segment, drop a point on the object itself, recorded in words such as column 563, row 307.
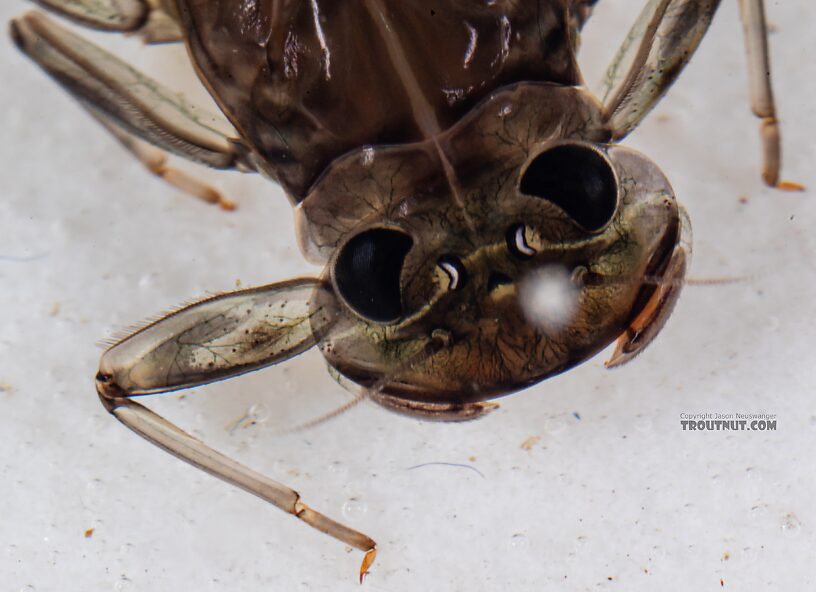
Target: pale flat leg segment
column 120, row 16
column 131, row 105
column 658, row 47
column 130, row 99
column 656, row 50
column 152, row 20
column 212, row 340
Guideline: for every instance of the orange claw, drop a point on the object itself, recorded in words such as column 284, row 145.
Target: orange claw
column 790, row 186
column 369, row 558
column 227, row 205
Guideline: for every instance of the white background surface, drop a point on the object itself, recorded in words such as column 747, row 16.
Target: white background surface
column 89, row 243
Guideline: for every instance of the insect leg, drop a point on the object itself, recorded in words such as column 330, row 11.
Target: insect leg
column 762, row 100
column 153, row 20
column 179, row 443
column 644, row 326
column 155, row 161
column 655, row 51
column 125, row 99
column 210, row 340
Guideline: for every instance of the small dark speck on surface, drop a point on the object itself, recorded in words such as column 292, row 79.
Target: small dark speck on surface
column 576, row 415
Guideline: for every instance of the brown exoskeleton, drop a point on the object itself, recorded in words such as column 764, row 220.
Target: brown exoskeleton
column 447, row 166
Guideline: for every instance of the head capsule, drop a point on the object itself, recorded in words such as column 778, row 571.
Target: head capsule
column 509, row 249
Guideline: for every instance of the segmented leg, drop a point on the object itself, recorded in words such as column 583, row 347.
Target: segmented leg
column 650, row 319
column 762, row 100
column 211, row 340
column 155, row 161
column 169, row 437
column 131, row 105
column 153, row 20
column 658, row 47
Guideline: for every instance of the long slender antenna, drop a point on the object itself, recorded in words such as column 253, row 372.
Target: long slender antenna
column 307, row 425
column 596, row 279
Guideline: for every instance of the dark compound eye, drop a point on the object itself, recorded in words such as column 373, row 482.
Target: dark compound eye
column 367, row 273
column 577, row 179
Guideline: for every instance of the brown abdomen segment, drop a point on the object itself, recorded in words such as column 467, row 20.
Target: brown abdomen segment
column 305, row 81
